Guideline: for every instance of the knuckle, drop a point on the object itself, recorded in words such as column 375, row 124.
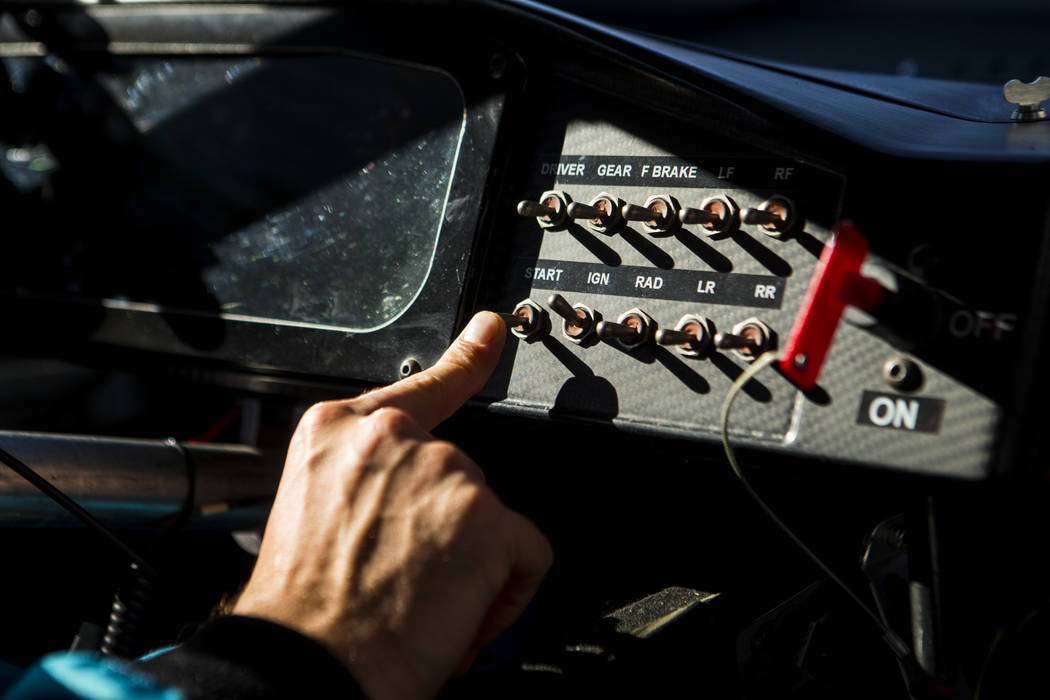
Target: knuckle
column 313, row 425
column 471, row 507
column 442, row 454
column 477, row 497
column 391, row 421
column 446, row 458
column 479, row 501
column 381, row 428
column 321, row 415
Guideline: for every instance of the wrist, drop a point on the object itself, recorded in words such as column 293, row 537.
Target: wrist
column 240, row 656
column 367, row 652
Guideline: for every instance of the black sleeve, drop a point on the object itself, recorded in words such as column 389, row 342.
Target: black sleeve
column 245, row 657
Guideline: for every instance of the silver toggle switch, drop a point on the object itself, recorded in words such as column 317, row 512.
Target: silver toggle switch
column 774, row 217
column 602, row 214
column 748, row 339
column 577, row 319
column 632, row 329
column 550, row 211
column 715, row 214
column 527, row 321
column 691, row 336
column 657, row 214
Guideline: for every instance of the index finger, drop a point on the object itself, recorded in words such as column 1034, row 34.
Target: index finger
column 435, row 393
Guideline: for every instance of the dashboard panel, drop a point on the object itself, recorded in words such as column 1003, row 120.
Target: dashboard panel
column 728, row 279
column 232, row 230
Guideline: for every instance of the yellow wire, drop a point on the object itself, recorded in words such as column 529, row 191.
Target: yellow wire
column 896, row 643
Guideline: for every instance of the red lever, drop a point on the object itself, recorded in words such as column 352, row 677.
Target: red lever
column 836, row 284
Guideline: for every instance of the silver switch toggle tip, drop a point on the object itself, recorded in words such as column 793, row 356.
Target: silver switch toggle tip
column 665, row 336
column 689, row 215
column 730, row 341
column 774, row 217
column 549, row 211
column 608, row 330
column 579, row 210
column 656, row 214
column 529, row 208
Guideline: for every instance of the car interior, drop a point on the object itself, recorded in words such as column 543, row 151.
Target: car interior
column 776, row 283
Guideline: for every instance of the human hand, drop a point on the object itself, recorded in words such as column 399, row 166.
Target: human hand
column 384, row 544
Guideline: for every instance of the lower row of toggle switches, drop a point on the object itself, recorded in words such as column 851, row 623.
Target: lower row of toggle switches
column 693, row 336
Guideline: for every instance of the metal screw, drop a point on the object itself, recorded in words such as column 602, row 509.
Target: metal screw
column 902, row 373
column 409, row 366
column 923, row 259
column 497, row 66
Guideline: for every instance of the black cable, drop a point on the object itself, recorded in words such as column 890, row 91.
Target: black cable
column 130, row 615
column 56, row 495
column 178, row 520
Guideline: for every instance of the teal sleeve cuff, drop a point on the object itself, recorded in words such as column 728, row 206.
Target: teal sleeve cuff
column 86, row 676
column 246, row 658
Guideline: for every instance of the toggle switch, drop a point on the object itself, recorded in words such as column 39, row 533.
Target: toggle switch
column 774, row 217
column 691, row 336
column 632, row 329
column 749, row 339
column 658, row 214
column 527, row 321
column 577, row 319
column 836, row 284
column 550, row 211
column 602, row 214
column 715, row 214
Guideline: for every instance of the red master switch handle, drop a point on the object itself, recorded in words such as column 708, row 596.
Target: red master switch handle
column 836, row 284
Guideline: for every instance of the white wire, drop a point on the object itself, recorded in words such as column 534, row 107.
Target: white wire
column 763, row 361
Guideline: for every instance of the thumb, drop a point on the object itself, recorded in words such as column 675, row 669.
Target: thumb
column 435, row 393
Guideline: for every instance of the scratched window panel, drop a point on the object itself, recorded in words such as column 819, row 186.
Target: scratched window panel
column 297, row 190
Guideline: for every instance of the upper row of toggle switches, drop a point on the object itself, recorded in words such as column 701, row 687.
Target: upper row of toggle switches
column 774, row 217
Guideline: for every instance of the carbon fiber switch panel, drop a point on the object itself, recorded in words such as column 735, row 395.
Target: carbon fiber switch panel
column 746, row 259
